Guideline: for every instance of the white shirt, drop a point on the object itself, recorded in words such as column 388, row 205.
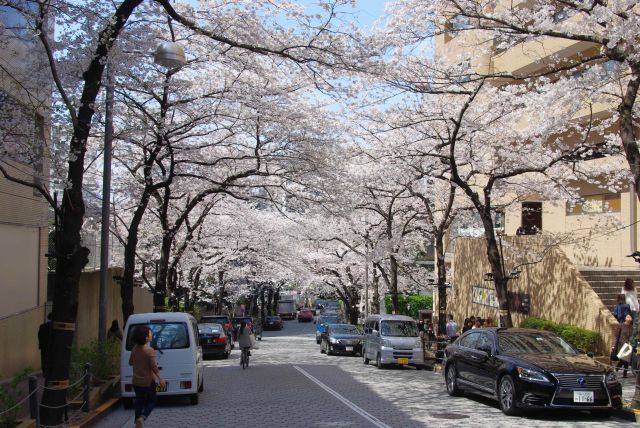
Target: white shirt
column 631, row 299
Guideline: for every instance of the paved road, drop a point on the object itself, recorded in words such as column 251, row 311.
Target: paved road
column 290, row 384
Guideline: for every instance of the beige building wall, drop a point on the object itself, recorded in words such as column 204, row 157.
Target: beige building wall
column 87, row 321
column 21, row 329
column 557, row 291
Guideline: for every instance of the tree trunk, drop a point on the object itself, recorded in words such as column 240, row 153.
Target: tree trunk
column 160, row 291
column 270, row 310
column 442, row 279
column 262, row 303
column 220, row 299
column 393, row 270
column 497, row 269
column 375, row 285
column 71, row 255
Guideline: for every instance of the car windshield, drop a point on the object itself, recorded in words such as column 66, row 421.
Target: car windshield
column 166, row 335
column 399, row 328
column 328, row 320
column 273, row 318
column 345, row 329
column 239, row 320
column 533, row 343
column 209, row 328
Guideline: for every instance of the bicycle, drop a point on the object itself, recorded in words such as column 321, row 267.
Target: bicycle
column 244, row 358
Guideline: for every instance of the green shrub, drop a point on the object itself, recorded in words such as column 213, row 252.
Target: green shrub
column 103, row 357
column 9, row 397
column 417, row 303
column 579, row 337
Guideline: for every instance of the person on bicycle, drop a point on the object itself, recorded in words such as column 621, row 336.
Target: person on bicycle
column 244, row 337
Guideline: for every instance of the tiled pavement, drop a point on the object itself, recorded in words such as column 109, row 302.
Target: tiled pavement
column 275, row 392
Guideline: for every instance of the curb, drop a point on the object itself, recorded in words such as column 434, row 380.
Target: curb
column 94, row 416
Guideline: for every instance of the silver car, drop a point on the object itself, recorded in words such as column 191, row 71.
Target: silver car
column 392, row 339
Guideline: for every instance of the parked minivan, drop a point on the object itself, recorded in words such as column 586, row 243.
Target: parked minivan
column 178, row 354
column 392, row 339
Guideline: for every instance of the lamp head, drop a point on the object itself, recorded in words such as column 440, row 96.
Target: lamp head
column 170, row 55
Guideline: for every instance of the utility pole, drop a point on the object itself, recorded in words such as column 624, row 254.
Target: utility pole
column 366, row 277
column 106, row 206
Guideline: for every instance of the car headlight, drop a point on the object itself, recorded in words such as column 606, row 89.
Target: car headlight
column 611, row 377
column 532, row 375
column 333, row 340
column 386, row 344
column 418, row 344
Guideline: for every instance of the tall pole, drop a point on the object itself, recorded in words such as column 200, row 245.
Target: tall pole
column 106, row 200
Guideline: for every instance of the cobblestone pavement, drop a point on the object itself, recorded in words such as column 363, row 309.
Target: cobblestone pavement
column 290, row 384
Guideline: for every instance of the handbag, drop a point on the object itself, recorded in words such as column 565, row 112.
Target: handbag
column 625, row 352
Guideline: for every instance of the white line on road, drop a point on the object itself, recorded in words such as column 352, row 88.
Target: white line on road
column 368, row 416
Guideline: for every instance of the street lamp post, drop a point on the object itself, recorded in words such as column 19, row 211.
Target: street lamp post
column 169, row 55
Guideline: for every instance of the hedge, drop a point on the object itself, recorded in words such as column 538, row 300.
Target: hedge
column 579, row 337
column 417, row 303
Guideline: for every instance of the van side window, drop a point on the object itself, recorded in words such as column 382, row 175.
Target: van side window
column 377, row 326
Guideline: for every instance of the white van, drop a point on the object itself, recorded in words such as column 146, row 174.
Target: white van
column 392, row 339
column 178, row 353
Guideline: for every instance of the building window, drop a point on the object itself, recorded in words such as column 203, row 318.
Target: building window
column 595, row 204
column 531, row 218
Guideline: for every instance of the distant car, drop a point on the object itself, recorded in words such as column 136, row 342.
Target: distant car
column 323, row 322
column 224, row 320
column 341, row 338
column 305, row 315
column 273, row 322
column 236, row 325
column 524, row 369
column 214, row 340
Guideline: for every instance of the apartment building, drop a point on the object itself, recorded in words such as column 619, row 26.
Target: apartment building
column 25, row 99
column 577, row 281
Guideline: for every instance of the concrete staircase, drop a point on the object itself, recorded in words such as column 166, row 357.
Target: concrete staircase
column 607, row 282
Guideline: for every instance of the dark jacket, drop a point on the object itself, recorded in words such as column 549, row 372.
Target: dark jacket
column 620, row 311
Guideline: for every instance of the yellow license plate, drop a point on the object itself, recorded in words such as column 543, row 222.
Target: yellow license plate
column 403, row 361
column 161, row 389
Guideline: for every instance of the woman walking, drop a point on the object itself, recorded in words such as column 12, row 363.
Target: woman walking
column 145, row 374
column 631, row 299
column 623, row 336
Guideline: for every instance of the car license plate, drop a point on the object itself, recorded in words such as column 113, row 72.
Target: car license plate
column 348, row 348
column 583, row 396
column 403, row 361
column 161, row 389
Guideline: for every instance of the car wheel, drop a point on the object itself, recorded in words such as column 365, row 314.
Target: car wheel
column 507, row 396
column 379, row 362
column 365, row 360
column 127, row 403
column 318, row 341
column 419, row 367
column 452, row 381
column 193, row 399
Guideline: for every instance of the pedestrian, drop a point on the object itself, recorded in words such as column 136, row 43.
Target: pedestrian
column 468, row 325
column 488, row 322
column 452, row 328
column 623, row 336
column 631, row 299
column 44, row 340
column 114, row 331
column 621, row 309
column 145, row 374
column 478, row 323
column 420, row 325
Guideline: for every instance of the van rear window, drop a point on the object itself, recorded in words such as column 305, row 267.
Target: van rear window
column 166, row 335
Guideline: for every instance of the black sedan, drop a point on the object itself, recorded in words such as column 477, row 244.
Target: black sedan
column 214, row 340
column 524, row 368
column 272, row 322
column 341, row 339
